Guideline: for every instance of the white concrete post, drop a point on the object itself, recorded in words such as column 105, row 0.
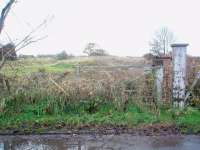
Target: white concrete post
column 179, row 73
column 159, row 82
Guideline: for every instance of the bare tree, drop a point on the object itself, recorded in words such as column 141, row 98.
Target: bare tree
column 161, row 41
column 93, row 49
column 4, row 14
column 28, row 39
column 16, row 46
column 90, row 47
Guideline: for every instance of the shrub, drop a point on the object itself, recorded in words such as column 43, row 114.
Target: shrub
column 8, row 49
column 63, row 55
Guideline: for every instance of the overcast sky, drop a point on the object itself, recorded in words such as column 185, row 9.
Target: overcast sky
column 122, row 27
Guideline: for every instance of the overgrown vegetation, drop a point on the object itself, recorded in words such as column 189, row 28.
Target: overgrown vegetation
column 49, row 113
column 52, row 92
column 41, row 100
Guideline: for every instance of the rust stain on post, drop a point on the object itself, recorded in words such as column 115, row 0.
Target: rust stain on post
column 179, row 73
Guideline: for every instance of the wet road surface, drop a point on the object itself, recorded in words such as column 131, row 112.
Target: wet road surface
column 97, row 142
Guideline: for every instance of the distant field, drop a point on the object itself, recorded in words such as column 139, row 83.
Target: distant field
column 28, row 66
column 50, row 65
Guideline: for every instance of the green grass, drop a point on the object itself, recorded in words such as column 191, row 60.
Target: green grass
column 20, row 113
column 33, row 109
column 111, row 117
column 189, row 121
column 26, row 67
column 59, row 67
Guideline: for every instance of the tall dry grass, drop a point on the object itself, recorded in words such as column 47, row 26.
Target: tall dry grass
column 95, row 86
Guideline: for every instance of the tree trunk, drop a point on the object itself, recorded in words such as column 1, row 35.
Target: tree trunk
column 4, row 13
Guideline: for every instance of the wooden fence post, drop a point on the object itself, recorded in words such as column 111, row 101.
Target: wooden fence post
column 179, row 74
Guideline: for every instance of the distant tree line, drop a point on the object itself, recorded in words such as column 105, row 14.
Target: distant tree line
column 63, row 55
column 60, row 56
column 91, row 49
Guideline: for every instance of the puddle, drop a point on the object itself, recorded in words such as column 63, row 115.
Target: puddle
column 96, row 142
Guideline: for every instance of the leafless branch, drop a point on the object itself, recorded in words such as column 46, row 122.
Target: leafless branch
column 30, row 41
column 27, row 40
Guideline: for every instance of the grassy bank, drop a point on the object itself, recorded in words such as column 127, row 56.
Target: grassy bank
column 42, row 96
column 42, row 115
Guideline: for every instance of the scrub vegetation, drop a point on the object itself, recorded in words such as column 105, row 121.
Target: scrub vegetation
column 45, row 94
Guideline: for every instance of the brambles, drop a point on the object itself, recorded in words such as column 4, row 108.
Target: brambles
column 57, row 92
column 120, row 86
column 100, row 95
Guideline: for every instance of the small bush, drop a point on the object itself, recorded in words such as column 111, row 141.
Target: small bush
column 63, row 55
column 42, row 70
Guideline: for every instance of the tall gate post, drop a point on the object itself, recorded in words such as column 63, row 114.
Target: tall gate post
column 179, row 74
column 158, row 82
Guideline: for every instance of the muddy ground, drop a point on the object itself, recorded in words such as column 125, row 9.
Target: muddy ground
column 145, row 130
